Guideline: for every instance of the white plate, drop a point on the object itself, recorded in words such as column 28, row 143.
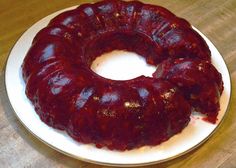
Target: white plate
column 192, row 136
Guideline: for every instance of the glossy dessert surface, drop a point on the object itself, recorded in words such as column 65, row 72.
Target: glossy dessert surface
column 120, row 115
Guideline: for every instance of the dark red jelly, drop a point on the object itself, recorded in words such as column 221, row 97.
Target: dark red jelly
column 120, row 115
column 198, row 80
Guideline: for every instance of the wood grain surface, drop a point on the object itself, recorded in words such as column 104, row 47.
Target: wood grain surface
column 215, row 18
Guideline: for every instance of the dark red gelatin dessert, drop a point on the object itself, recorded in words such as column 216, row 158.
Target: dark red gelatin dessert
column 120, row 115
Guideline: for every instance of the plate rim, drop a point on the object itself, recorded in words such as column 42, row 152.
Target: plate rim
column 107, row 163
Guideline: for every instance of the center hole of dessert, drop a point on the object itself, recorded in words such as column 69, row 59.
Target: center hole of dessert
column 121, row 65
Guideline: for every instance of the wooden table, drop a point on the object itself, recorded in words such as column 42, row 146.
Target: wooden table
column 18, row 148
